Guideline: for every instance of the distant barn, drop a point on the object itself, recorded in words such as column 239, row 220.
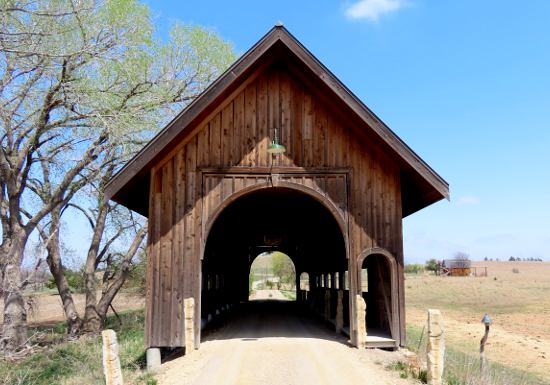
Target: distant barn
column 457, row 267
column 277, row 154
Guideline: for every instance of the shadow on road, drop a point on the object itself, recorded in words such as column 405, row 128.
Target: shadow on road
column 259, row 319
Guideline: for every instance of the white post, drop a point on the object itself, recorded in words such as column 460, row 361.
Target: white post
column 436, row 347
column 111, row 362
column 153, row 358
column 361, row 321
column 188, row 324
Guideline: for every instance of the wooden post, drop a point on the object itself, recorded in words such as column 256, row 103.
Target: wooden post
column 327, row 304
column 188, row 324
column 436, row 347
column 340, row 311
column 111, row 362
column 482, row 363
column 482, row 349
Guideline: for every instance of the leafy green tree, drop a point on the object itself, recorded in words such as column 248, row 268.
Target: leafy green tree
column 431, row 265
column 283, row 268
column 82, row 86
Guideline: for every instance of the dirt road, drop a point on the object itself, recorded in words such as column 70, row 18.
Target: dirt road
column 268, row 294
column 272, row 342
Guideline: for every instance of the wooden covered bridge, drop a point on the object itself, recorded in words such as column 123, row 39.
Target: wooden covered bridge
column 277, row 154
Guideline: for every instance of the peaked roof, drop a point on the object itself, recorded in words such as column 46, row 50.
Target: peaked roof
column 421, row 185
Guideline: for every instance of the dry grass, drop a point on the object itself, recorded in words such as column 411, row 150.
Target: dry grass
column 518, row 302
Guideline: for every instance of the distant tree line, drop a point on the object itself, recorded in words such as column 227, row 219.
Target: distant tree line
column 512, row 259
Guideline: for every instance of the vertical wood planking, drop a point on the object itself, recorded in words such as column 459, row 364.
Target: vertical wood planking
column 157, row 293
column 250, row 124
column 297, row 122
column 333, row 144
column 215, row 141
column 152, row 257
column 274, row 105
column 238, row 138
column 203, row 147
column 286, row 109
column 166, row 250
column 190, row 202
column 176, row 318
column 320, row 135
column 307, row 133
column 227, row 135
column 263, row 131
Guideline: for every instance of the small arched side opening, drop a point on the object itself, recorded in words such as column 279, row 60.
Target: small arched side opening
column 377, row 284
column 303, row 287
column 268, row 221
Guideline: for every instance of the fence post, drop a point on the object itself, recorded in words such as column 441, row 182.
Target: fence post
column 436, row 347
column 111, row 362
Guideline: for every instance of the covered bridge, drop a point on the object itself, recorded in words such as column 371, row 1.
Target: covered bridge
column 277, row 154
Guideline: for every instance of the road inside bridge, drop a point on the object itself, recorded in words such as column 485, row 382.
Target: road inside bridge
column 274, row 342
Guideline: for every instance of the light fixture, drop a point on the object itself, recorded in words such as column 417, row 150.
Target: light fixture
column 275, row 147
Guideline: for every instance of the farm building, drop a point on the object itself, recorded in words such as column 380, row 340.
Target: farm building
column 277, row 154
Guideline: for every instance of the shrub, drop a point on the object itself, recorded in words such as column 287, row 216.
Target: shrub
column 414, row 268
column 431, row 265
column 515, row 270
column 75, row 279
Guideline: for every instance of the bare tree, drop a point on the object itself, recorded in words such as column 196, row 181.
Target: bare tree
column 79, row 79
column 462, row 260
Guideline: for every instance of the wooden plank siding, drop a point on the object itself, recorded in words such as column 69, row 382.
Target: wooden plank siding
column 317, row 136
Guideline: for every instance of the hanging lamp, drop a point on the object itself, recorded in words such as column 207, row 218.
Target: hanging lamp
column 275, row 147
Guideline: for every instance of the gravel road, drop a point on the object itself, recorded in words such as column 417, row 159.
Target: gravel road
column 273, row 342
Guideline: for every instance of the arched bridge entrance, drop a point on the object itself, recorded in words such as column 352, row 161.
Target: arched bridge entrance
column 290, row 219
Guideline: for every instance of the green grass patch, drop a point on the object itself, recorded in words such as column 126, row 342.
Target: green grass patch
column 462, row 368
column 289, row 294
column 80, row 361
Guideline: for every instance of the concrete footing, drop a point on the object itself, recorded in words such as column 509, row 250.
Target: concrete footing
column 360, row 320
column 188, row 324
column 153, row 358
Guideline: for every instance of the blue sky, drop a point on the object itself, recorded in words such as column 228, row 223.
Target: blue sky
column 465, row 83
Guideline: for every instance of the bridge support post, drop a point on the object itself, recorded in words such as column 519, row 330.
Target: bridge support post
column 340, row 311
column 189, row 324
column 327, row 304
column 360, row 315
column 153, row 358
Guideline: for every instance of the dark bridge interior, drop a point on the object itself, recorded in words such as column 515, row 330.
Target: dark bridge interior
column 280, row 219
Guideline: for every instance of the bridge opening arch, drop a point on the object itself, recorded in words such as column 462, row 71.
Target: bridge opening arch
column 377, row 284
column 272, row 276
column 274, row 220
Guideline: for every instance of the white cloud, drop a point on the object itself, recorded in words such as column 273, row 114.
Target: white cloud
column 372, row 9
column 468, row 200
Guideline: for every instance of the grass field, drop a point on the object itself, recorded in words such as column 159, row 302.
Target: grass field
column 517, row 297
column 59, row 361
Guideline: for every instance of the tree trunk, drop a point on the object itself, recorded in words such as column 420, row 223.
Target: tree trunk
column 93, row 321
column 96, row 315
column 74, row 323
column 14, row 329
